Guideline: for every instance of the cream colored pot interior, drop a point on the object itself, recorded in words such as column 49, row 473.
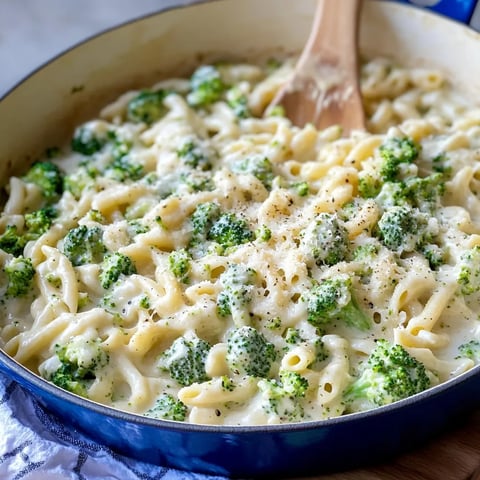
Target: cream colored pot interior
column 41, row 112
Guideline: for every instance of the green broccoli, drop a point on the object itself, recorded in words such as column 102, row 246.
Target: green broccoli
column 113, row 266
column 237, row 283
column 196, row 181
column 83, row 177
column 179, row 263
column 76, row 365
column 48, row 177
column 369, row 186
column 469, row 271
column 396, row 152
column 124, row 168
column 248, row 352
column 202, row 220
column 333, row 299
column 389, row 375
column 326, row 239
column 396, row 155
column 84, row 245
column 263, row 233
column 422, row 193
column 238, row 102
column 258, row 166
column 87, row 142
column 147, row 106
column 206, row 86
column 167, row 407
column 302, row 188
column 365, row 252
column 404, row 229
column 11, row 241
column 38, row 222
column 282, row 397
column 185, row 359
column 194, row 156
column 20, row 272
column 229, row 231
column 470, row 350
column 435, row 255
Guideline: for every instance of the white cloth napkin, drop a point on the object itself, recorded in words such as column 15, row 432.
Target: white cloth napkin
column 34, row 445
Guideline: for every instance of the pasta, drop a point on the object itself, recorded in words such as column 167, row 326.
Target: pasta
column 189, row 257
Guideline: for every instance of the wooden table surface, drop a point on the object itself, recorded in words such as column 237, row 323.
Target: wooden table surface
column 453, row 456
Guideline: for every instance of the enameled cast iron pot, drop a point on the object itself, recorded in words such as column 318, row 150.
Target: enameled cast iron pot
column 42, row 110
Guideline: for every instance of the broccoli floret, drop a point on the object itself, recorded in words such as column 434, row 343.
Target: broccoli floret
column 20, row 274
column 82, row 178
column 206, row 86
column 238, row 102
column 396, row 156
column 114, row 265
column 422, row 193
column 404, row 229
column 48, row 177
column 87, row 142
column 263, row 233
column 365, row 252
column 333, row 299
column 469, row 273
column 84, row 245
column 248, row 352
column 179, row 263
column 258, row 166
column 194, row 156
column 197, row 181
column 229, row 230
column 185, row 359
column 283, row 396
column 389, row 375
column 326, row 239
column 435, row 255
column 123, row 168
column 395, row 152
column 425, row 193
column 11, row 241
column 167, row 407
column 369, row 186
column 202, row 220
column 77, row 364
column 237, row 283
column 38, row 222
column 147, row 106
column 470, row 350
column 302, row 188
column 292, row 336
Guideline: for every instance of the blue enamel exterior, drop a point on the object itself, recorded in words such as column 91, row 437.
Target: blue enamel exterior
column 274, row 451
column 460, row 10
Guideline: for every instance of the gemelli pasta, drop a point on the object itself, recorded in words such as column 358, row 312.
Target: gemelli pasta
column 190, row 257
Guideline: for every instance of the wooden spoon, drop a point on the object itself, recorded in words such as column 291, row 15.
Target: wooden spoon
column 324, row 88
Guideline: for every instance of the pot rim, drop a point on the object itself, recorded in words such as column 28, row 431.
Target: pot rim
column 35, row 380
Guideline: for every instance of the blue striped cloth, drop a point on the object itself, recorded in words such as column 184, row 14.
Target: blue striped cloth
column 34, row 445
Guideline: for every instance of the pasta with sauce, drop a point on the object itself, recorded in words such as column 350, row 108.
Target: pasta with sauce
column 195, row 260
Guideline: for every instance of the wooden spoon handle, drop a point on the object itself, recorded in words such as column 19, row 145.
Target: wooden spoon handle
column 334, row 32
